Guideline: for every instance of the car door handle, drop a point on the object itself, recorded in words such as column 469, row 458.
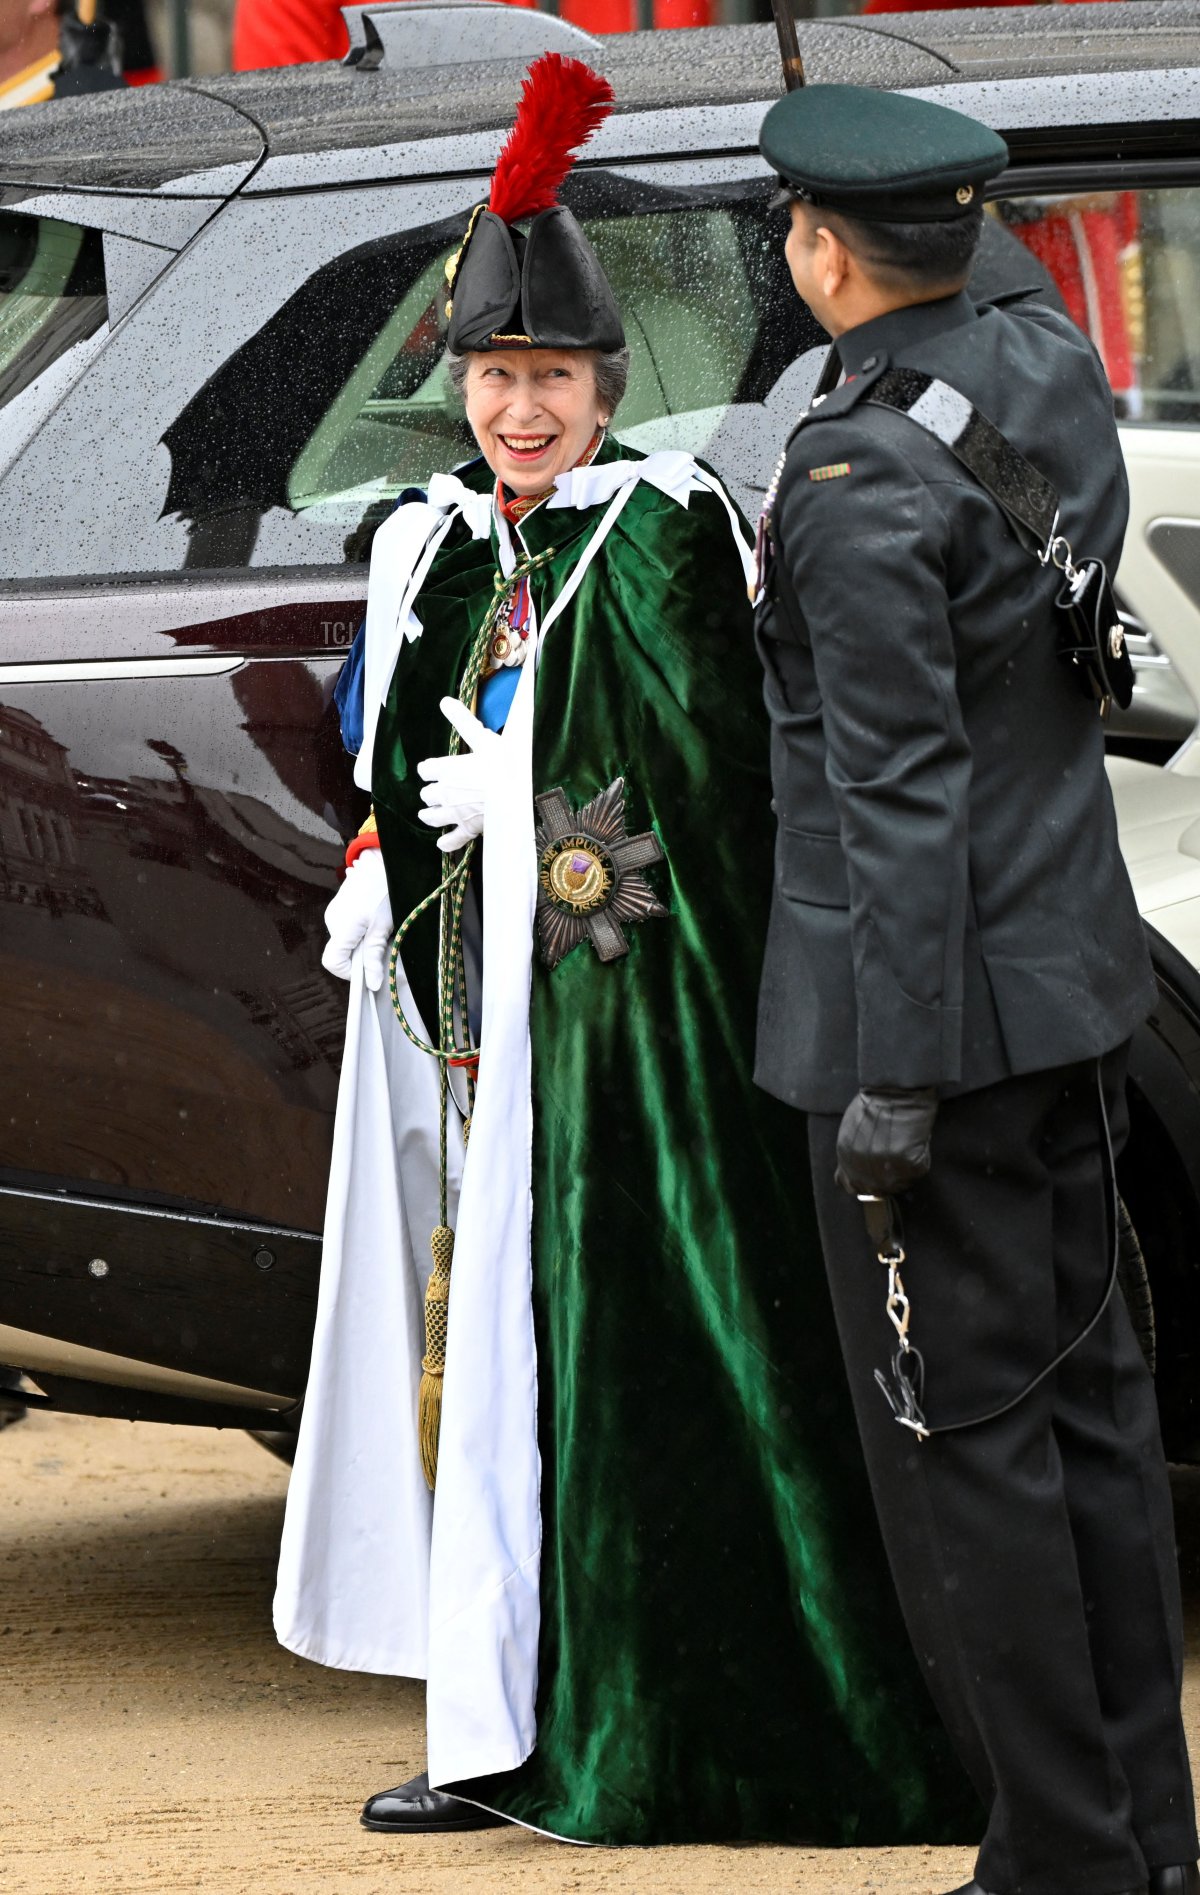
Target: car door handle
column 109, row 670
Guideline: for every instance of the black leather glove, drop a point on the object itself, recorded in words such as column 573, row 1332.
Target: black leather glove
column 883, row 1142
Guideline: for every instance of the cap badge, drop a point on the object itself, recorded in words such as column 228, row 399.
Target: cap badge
column 965, row 193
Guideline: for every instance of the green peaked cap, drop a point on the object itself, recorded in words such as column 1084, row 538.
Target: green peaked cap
column 879, row 155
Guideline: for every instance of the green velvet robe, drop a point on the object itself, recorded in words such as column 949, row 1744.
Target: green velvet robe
column 721, row 1655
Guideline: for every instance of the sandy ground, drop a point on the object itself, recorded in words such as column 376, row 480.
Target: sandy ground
column 156, row 1740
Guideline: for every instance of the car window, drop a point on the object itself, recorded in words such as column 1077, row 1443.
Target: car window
column 1126, row 265
column 52, row 295
column 313, row 391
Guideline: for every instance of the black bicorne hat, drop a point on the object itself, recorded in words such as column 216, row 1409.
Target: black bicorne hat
column 541, row 286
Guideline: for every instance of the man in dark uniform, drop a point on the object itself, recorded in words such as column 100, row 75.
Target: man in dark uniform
column 954, row 968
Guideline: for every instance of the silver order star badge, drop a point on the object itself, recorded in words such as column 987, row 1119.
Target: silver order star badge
column 589, row 878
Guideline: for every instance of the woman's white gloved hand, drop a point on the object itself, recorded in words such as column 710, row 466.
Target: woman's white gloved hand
column 360, row 916
column 456, row 788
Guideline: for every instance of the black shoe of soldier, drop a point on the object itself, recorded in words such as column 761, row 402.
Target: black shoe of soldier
column 1182, row 1878
column 413, row 1809
column 11, row 1409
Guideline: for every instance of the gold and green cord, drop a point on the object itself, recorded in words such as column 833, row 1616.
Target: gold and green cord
column 450, row 894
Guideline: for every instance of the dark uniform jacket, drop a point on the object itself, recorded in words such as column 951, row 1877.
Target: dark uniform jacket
column 950, row 904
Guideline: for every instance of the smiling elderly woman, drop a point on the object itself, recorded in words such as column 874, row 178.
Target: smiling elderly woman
column 646, row 1591
column 535, row 414
column 584, row 388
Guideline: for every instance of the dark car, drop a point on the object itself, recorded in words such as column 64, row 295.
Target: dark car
column 220, row 364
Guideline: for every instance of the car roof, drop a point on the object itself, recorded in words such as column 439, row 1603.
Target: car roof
column 207, row 136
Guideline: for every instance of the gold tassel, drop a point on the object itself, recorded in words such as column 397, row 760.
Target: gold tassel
column 433, row 1363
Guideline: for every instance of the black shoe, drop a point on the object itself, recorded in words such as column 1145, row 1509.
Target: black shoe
column 1182, row 1878
column 415, row 1810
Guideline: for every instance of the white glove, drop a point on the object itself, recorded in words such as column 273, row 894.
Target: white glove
column 456, row 788
column 360, row 915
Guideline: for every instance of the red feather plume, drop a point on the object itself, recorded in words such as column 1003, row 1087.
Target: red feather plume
column 562, row 103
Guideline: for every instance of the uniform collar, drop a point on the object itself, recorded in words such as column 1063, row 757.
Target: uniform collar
column 901, row 329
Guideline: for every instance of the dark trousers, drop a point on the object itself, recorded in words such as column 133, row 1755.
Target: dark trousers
column 1033, row 1554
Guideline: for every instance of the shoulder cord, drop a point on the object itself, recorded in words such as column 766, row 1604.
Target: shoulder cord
column 450, row 893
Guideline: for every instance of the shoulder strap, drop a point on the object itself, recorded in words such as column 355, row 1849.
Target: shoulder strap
column 1091, row 637
column 1026, row 497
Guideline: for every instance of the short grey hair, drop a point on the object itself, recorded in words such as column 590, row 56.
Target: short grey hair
column 610, row 366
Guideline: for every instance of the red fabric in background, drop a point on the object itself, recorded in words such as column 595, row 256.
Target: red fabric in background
column 1082, row 251
column 599, row 16
column 287, row 33
column 683, row 12
column 294, row 32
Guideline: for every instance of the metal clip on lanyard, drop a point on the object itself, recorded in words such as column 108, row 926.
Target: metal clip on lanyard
column 1057, row 552
column 906, row 1389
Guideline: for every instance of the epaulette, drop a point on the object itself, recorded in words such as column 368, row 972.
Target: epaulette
column 847, row 395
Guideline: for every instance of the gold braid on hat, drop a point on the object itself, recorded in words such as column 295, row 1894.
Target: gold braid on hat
column 453, row 263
